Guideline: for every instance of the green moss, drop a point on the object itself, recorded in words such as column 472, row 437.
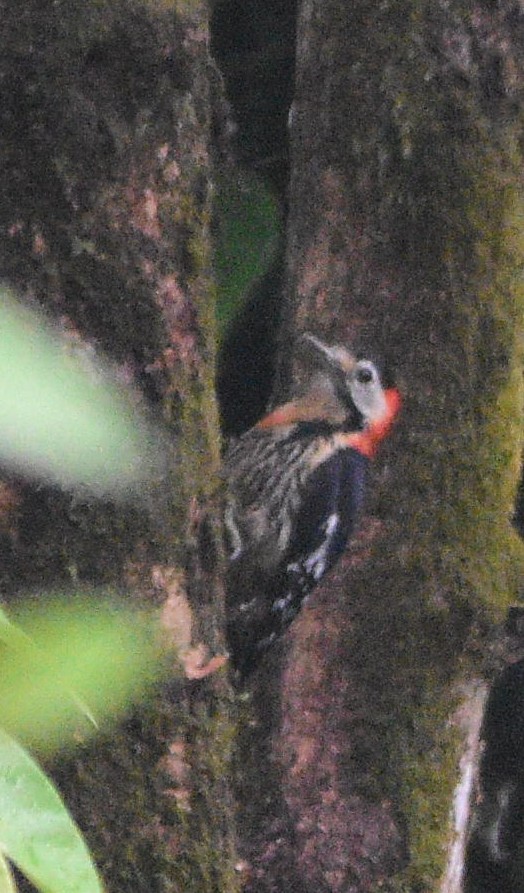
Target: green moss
column 205, row 863
column 453, row 563
column 464, row 555
column 429, row 774
column 211, row 740
column 429, row 216
column 200, row 445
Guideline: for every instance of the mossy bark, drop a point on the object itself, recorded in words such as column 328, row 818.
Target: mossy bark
column 107, row 112
column 404, row 238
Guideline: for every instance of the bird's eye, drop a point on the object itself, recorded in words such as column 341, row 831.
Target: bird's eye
column 364, row 375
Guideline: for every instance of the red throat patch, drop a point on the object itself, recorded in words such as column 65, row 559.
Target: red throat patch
column 367, row 441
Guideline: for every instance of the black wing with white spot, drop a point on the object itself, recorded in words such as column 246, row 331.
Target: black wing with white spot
column 326, row 520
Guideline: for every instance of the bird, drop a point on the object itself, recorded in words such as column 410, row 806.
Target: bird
column 295, row 487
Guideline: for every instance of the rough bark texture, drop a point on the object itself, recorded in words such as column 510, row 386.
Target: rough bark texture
column 403, row 240
column 106, row 111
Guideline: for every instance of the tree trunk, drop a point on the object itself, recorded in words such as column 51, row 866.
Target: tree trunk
column 403, row 240
column 107, row 111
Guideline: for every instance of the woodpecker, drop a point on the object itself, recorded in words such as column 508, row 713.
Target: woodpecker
column 295, row 485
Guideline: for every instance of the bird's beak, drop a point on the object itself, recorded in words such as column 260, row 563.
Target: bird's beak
column 313, row 350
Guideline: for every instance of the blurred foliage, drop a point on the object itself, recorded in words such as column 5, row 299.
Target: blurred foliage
column 70, row 666
column 248, row 229
column 63, row 417
column 7, row 884
column 66, row 666
column 63, row 657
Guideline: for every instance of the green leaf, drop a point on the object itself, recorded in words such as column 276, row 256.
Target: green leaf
column 62, row 416
column 7, row 884
column 72, row 666
column 36, row 831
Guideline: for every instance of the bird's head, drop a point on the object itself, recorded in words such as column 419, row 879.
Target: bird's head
column 355, row 383
column 342, row 390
